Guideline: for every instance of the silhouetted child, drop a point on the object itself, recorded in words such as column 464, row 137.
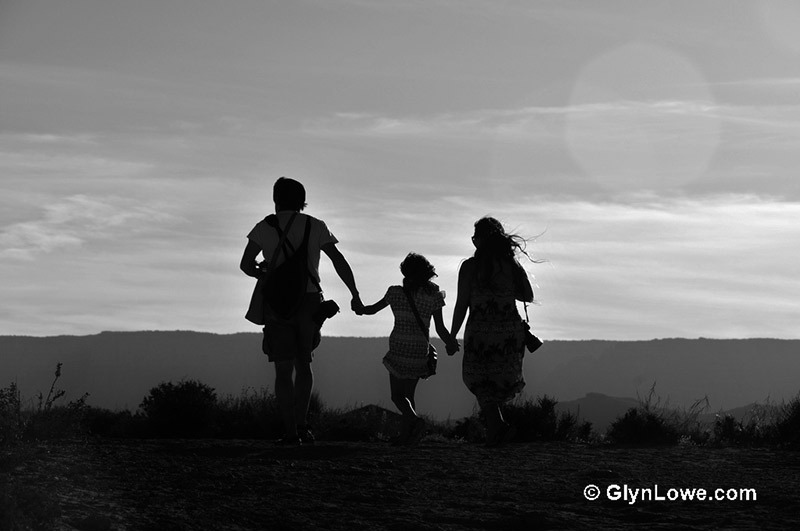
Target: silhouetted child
column 408, row 356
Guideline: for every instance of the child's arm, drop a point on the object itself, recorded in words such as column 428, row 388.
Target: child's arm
column 449, row 341
column 372, row 309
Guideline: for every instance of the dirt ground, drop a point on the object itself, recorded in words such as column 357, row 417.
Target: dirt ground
column 247, row 485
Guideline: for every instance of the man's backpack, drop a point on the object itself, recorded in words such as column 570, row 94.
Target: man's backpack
column 285, row 285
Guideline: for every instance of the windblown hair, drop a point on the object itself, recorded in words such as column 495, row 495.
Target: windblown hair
column 496, row 246
column 417, row 272
column 289, row 194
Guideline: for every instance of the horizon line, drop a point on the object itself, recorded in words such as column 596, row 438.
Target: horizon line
column 167, row 331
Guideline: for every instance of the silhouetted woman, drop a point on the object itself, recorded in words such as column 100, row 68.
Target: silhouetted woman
column 489, row 284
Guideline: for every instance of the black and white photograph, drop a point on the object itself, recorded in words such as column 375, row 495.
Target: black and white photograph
column 399, row 265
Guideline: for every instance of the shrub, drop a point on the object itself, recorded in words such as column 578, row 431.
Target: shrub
column 185, row 409
column 11, row 424
column 538, row 421
column 57, row 422
column 252, row 415
column 585, row 433
column 787, row 426
column 651, row 423
column 642, row 426
column 47, row 421
column 114, row 424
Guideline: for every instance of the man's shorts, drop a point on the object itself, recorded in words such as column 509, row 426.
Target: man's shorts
column 293, row 338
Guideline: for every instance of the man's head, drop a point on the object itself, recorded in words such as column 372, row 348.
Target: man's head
column 289, row 194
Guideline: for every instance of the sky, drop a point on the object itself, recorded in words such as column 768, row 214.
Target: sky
column 648, row 150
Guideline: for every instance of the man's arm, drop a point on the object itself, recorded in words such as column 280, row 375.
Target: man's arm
column 249, row 265
column 344, row 271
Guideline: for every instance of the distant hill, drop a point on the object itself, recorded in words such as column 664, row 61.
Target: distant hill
column 119, row 368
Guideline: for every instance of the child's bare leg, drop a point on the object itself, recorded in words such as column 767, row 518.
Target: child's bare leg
column 402, row 390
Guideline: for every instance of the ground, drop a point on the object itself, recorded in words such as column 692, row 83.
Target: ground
column 165, row 485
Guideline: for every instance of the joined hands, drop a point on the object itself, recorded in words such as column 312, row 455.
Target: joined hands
column 452, row 347
column 356, row 305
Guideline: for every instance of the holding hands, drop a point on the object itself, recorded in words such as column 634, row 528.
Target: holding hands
column 452, row 346
column 356, row 305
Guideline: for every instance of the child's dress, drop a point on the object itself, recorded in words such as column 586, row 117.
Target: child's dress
column 408, row 346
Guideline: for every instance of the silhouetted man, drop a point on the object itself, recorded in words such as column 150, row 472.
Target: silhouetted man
column 289, row 341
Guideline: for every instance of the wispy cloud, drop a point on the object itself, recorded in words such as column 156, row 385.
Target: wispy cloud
column 524, row 123
column 76, row 220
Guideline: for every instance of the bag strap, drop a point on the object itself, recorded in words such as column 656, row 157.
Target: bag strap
column 285, row 243
column 416, row 313
column 281, row 235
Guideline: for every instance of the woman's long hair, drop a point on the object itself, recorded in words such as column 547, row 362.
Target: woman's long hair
column 417, row 272
column 496, row 246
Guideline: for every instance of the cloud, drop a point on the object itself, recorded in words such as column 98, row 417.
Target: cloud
column 694, row 266
column 76, row 220
column 521, row 124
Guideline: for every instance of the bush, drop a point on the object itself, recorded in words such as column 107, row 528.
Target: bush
column 11, row 425
column 182, row 410
column 252, row 415
column 787, row 426
column 650, row 423
column 57, row 422
column 114, row 424
column 538, row 421
column 47, row 421
column 641, row 426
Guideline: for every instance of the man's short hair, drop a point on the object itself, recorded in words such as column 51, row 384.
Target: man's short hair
column 289, row 194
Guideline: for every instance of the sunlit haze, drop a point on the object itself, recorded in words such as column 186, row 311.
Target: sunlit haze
column 649, row 150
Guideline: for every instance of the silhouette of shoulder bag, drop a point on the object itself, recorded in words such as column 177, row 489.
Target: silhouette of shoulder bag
column 433, row 356
column 256, row 310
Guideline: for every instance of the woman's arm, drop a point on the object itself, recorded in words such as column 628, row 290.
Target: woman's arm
column 463, row 297
column 522, row 285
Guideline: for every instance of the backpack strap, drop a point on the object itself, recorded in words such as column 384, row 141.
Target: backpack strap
column 272, row 220
column 287, row 246
column 416, row 313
